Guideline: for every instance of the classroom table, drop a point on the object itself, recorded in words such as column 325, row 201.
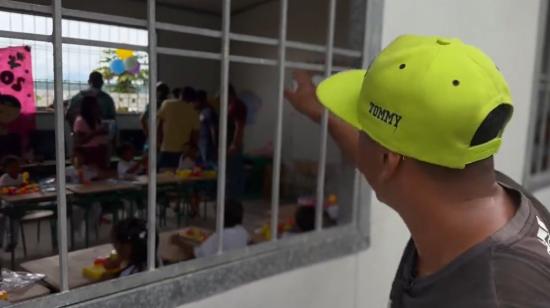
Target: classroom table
column 34, row 197
column 77, row 261
column 18, row 205
column 168, row 178
column 171, row 185
column 170, row 253
column 85, row 257
column 286, row 213
column 35, row 290
column 100, row 187
column 103, row 192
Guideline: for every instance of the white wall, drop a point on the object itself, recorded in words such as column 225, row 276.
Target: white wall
column 506, row 30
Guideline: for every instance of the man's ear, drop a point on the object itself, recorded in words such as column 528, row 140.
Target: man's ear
column 390, row 164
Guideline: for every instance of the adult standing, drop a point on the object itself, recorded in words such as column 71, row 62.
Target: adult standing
column 178, row 123
column 90, row 135
column 163, row 92
column 208, row 131
column 104, row 100
column 236, row 121
column 422, row 125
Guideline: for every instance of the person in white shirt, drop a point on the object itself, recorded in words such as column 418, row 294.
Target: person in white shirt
column 235, row 235
column 128, row 168
column 78, row 172
column 12, row 175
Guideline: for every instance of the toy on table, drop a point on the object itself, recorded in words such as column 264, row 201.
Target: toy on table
column 193, row 234
column 283, row 227
column 22, row 190
column 99, row 269
column 196, row 171
column 330, row 200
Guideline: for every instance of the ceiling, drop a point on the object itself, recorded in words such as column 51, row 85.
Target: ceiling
column 213, row 6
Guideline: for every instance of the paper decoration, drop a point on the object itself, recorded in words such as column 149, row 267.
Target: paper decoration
column 117, row 66
column 17, row 98
column 124, row 54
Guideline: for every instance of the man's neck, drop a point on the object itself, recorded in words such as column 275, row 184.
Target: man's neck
column 446, row 222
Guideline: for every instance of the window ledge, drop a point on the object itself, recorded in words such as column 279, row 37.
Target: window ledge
column 187, row 282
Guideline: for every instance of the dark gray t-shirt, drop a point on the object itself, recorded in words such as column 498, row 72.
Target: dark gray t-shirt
column 509, row 269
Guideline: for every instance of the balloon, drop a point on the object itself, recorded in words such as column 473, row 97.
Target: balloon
column 117, row 66
column 124, row 54
column 136, row 69
column 131, row 63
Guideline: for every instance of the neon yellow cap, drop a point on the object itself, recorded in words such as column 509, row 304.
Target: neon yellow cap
column 430, row 98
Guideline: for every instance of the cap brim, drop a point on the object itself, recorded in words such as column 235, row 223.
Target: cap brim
column 340, row 94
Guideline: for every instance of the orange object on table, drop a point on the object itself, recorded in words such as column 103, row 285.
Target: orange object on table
column 193, row 234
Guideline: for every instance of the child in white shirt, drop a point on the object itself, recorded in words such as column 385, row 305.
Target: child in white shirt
column 12, row 175
column 78, row 172
column 235, row 235
column 188, row 159
column 128, row 168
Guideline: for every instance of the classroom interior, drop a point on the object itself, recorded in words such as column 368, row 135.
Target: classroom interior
column 184, row 202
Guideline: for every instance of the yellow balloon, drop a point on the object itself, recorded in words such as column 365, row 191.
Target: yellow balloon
column 124, row 54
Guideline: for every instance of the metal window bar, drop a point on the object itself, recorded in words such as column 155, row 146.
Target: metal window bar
column 152, row 185
column 319, row 206
column 138, row 23
column 255, row 39
column 539, row 158
column 152, row 45
column 277, row 151
column 60, row 147
column 244, row 59
column 222, row 147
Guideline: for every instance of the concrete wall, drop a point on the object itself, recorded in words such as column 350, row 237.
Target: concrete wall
column 506, row 30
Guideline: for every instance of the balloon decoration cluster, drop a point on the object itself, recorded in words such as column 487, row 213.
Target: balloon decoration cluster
column 126, row 61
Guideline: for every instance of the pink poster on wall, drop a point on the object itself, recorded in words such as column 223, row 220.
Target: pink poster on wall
column 17, row 98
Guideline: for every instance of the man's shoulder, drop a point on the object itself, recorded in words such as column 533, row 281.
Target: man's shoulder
column 104, row 95
column 521, row 277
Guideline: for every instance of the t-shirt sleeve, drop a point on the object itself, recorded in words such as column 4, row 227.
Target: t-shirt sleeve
column 122, row 168
column 161, row 114
column 520, row 283
column 74, row 107
column 110, row 108
column 208, row 248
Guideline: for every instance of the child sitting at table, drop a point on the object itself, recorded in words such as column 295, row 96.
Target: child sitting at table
column 188, row 159
column 129, row 237
column 235, row 235
column 128, row 168
column 304, row 219
column 12, row 175
column 80, row 173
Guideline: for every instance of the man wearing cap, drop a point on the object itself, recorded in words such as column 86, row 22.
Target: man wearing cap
column 422, row 125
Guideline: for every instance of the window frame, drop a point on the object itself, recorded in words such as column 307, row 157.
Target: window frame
column 192, row 280
column 538, row 179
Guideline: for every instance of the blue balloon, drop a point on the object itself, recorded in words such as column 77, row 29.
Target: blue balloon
column 117, row 66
